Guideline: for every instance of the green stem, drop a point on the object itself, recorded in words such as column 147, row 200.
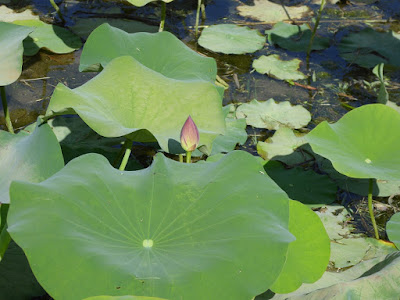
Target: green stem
column 203, row 10
column 188, row 157
column 197, row 17
column 5, row 109
column 371, row 209
column 181, row 158
column 163, row 15
column 313, row 33
column 127, row 154
column 55, row 6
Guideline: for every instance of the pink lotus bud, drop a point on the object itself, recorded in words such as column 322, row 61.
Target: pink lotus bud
column 189, row 135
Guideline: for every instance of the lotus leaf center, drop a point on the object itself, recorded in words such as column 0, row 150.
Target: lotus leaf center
column 147, row 243
column 368, row 161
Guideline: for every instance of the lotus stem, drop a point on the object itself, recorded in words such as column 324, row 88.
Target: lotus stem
column 188, row 157
column 197, row 17
column 371, row 209
column 203, row 10
column 128, row 149
column 181, row 158
column 163, row 15
column 321, row 8
column 5, row 109
column 55, row 6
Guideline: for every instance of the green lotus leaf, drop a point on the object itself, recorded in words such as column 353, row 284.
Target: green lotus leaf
column 11, row 37
column 295, row 37
column 179, row 62
column 272, row 115
column 393, row 229
column 54, row 38
column 369, row 48
column 231, row 39
column 28, row 157
column 308, row 256
column 122, row 298
column 305, row 186
column 364, row 143
column 172, row 230
column 372, row 279
column 284, row 142
column 273, row 66
column 16, row 278
column 127, row 97
column 144, row 2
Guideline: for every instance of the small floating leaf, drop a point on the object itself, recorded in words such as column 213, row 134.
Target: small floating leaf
column 144, row 2
column 54, row 38
column 272, row 115
column 11, row 37
column 295, row 37
column 364, row 143
column 273, row 66
column 231, row 39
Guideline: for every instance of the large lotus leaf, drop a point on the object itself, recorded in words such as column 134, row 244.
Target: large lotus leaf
column 393, row 229
column 231, row 39
column 144, row 2
column 350, row 284
column 122, row 298
column 283, row 142
column 308, row 256
column 174, row 230
column 268, row 11
column 295, row 37
column 273, row 66
column 364, row 143
column 54, row 38
column 16, row 279
column 127, row 96
column 11, row 37
column 161, row 52
column 381, row 188
column 28, row 157
column 272, row 115
column 305, row 186
column 368, row 48
column 380, row 281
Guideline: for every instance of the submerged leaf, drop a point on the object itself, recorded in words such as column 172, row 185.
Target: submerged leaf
column 231, row 39
column 127, row 97
column 272, row 115
column 173, row 230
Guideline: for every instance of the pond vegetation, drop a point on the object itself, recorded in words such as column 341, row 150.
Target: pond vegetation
column 199, row 150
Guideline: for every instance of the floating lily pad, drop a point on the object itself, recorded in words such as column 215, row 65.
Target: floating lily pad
column 336, row 221
column 173, row 230
column 282, row 143
column 9, row 15
column 393, row 229
column 272, row 115
column 308, row 256
column 127, row 97
column 84, row 27
column 179, row 62
column 364, row 143
column 305, row 186
column 16, row 278
column 231, row 39
column 295, row 37
column 273, row 66
column 377, row 278
column 54, row 38
column 144, row 2
column 267, row 11
column 369, row 48
column 28, row 157
column 11, row 37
